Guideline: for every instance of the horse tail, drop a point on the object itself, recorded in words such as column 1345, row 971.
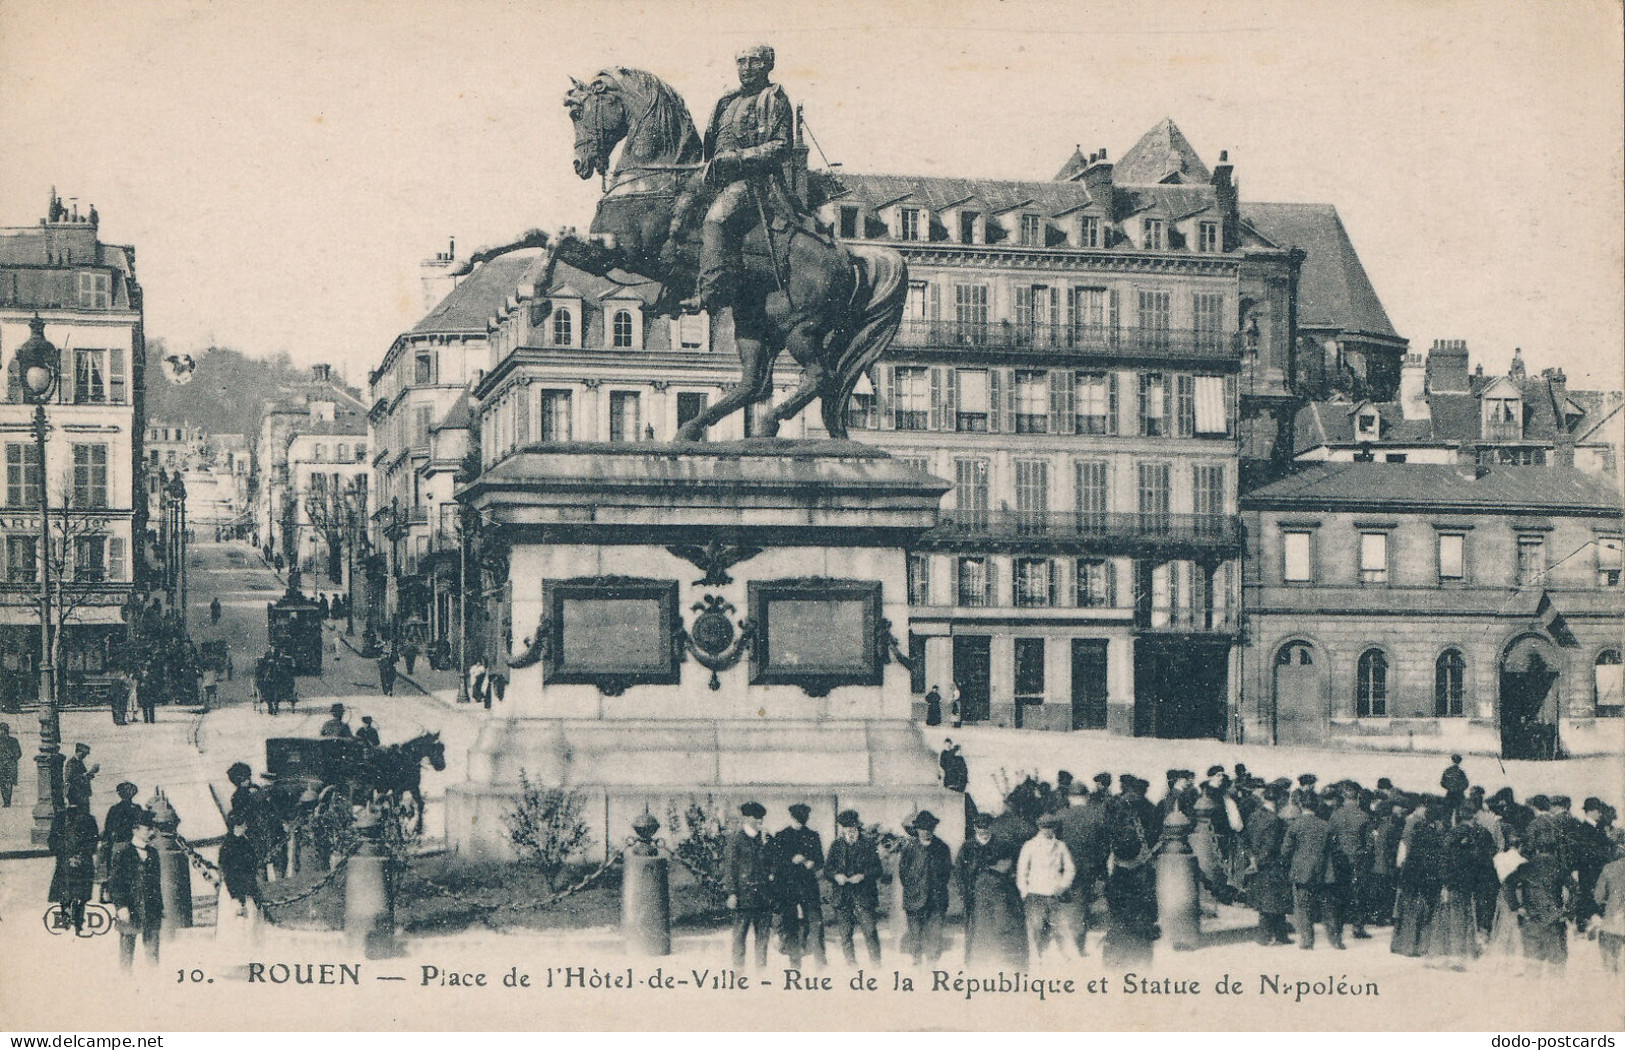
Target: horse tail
column 870, row 324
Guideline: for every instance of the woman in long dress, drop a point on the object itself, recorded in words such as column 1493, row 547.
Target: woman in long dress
column 1540, row 891
column 1506, row 939
column 1421, row 863
column 1467, row 847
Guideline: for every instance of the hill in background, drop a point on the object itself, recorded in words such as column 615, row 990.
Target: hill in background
column 228, row 390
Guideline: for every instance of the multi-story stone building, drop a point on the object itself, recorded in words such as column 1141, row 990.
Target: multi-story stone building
column 321, row 402
column 214, row 468
column 324, row 511
column 86, row 295
column 1436, row 607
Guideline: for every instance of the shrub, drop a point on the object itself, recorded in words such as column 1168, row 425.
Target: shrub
column 701, row 846
column 546, row 827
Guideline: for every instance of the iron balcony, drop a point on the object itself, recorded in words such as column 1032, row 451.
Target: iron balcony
column 1169, row 535
column 1083, row 341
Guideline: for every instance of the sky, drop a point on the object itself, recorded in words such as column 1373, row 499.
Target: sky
column 283, row 167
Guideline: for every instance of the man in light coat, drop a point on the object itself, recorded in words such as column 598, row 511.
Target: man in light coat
column 1044, row 875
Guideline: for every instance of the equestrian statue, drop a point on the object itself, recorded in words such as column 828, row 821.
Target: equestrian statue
column 723, row 223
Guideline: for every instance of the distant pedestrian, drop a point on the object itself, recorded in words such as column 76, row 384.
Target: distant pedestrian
column 1454, row 782
column 77, row 776
column 955, row 771
column 11, row 754
column 118, row 697
column 956, row 712
column 386, row 673
column 324, row 608
column 279, row 563
column 214, row 611
column 368, row 733
column 335, row 726
column 211, row 686
column 409, row 652
column 933, row 707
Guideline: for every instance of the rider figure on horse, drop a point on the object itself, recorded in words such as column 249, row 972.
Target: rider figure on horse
column 747, row 144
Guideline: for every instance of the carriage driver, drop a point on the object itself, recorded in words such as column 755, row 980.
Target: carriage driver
column 336, row 726
column 746, row 145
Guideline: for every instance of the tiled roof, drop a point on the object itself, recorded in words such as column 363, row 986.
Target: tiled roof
column 1366, row 484
column 940, row 192
column 592, row 287
column 1073, row 167
column 1163, row 154
column 467, row 307
column 1333, row 289
column 460, row 416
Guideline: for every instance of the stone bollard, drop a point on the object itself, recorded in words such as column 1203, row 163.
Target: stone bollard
column 174, row 869
column 369, row 893
column 1178, row 902
column 645, row 895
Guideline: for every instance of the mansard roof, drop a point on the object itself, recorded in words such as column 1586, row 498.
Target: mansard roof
column 1163, row 155
column 467, row 307
column 942, row 192
column 1335, row 486
column 1333, row 289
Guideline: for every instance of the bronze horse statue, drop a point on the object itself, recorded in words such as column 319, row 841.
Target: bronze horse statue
column 835, row 307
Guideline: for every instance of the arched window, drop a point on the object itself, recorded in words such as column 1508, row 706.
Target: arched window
column 1449, row 684
column 1610, row 702
column 344, row 453
column 563, row 326
column 1371, row 685
column 623, row 329
column 1295, row 653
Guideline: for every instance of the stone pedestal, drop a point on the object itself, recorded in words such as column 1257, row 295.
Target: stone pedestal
column 714, row 521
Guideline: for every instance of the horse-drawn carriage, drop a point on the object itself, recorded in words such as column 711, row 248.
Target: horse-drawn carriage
column 322, row 780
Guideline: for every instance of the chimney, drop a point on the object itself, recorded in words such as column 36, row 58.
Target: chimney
column 1447, row 367
column 321, row 373
column 1413, row 391
column 1097, row 179
column 1562, row 434
column 1517, row 370
column 1227, row 192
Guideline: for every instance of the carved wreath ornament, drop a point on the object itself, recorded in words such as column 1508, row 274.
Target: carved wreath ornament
column 712, row 639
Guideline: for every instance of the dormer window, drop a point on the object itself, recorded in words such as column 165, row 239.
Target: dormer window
column 1368, row 425
column 967, row 226
column 1089, row 232
column 1503, row 418
column 563, row 327
column 1032, row 231
column 909, row 225
column 1207, row 236
column 1154, row 235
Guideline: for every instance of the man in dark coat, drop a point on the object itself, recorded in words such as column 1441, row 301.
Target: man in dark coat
column 73, row 840
column 1514, row 814
column 747, row 877
column 368, row 733
column 973, row 857
column 336, row 726
column 135, row 889
column 1131, row 888
column 1454, row 782
column 1269, row 886
column 853, row 870
column 76, row 776
column 239, row 866
column 1084, row 830
column 252, row 807
column 955, row 771
column 798, row 856
column 924, row 869
column 11, row 754
column 1351, row 855
column 1307, row 850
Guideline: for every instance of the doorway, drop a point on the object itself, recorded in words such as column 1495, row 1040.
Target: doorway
column 1300, row 706
column 973, row 667
column 1528, row 701
column 1089, row 683
column 1181, row 688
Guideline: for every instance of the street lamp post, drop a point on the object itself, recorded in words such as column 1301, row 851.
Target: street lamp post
column 41, row 365
column 177, row 493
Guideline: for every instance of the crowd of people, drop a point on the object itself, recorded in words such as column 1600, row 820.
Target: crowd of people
column 1449, row 874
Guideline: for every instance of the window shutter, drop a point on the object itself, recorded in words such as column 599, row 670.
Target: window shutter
column 935, row 301
column 115, row 371
column 936, row 397
column 950, row 399
column 991, row 577
column 1063, row 418
column 1230, row 406
column 115, row 558
column 886, row 395
column 1053, row 567
column 1112, row 316
column 1111, row 402
column 995, row 399
column 1008, row 405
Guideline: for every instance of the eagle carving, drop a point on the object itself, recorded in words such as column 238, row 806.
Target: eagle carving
column 715, row 559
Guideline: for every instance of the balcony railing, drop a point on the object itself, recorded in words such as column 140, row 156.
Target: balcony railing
column 1186, row 620
column 1200, row 530
column 1501, row 431
column 1008, row 337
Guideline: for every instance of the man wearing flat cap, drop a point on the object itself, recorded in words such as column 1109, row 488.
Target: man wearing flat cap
column 747, row 878
column 924, row 870
column 1044, row 876
column 798, row 856
column 746, row 145
column 853, row 870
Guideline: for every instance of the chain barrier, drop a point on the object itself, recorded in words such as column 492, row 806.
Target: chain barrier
column 205, row 867
column 320, row 885
column 547, row 902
